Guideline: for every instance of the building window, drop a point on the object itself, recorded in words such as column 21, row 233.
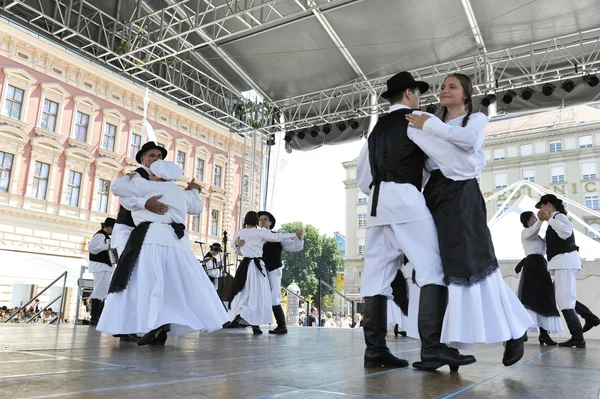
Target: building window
column 499, row 153
column 40, row 180
column 110, row 133
column 558, row 174
column 134, row 146
column 73, row 187
column 13, row 103
column 361, row 246
column 199, row 169
column 217, row 178
column 246, row 185
column 196, row 223
column 526, row 150
column 585, row 142
column 6, row 161
column 81, row 126
column 593, row 235
column 181, row 160
column 362, row 199
column 49, row 114
column 529, row 175
column 501, row 180
column 555, row 146
column 214, row 223
column 588, row 170
column 362, row 220
column 103, row 190
column 592, row 201
column 359, row 276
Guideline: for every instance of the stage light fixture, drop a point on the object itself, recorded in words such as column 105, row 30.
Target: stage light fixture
column 301, row 134
column 509, row 96
column 314, row 132
column 354, row 124
column 341, row 126
column 431, row 109
column 288, row 148
column 288, row 137
column 568, row 85
column 327, row 128
column 591, row 80
column 548, row 89
column 527, row 93
column 488, row 100
column 271, row 140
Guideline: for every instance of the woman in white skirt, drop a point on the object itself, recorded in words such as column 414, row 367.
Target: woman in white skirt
column 535, row 290
column 250, row 302
column 158, row 285
column 481, row 307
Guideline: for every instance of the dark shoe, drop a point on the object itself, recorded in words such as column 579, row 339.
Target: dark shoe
column 513, row 351
column 256, row 330
column 396, row 332
column 95, row 312
column 377, row 353
column 279, row 330
column 160, row 339
column 434, row 354
column 544, row 338
column 591, row 320
column 403, row 333
column 574, row 325
column 153, row 335
column 526, row 338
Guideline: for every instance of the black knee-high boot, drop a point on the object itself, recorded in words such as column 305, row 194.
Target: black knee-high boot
column 95, row 312
column 280, row 319
column 377, row 353
column 434, row 354
column 574, row 325
column 591, row 320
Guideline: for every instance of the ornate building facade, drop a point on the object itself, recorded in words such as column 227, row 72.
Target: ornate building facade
column 69, row 128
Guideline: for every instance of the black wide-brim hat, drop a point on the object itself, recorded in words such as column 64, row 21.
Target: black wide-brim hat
column 402, row 81
column 544, row 199
column 108, row 222
column 261, row 213
column 149, row 146
column 217, row 247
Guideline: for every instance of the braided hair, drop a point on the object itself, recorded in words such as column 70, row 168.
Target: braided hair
column 467, row 86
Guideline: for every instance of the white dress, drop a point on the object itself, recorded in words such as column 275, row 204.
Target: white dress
column 487, row 311
column 167, row 285
column 253, row 302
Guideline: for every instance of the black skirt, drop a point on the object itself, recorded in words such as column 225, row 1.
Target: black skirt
column 536, row 291
column 459, row 212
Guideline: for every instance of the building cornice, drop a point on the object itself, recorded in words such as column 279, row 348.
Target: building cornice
column 548, row 157
column 542, row 134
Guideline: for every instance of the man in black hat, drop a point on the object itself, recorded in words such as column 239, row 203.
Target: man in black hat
column 564, row 262
column 124, row 225
column 390, row 170
column 272, row 258
column 101, row 267
column 213, row 264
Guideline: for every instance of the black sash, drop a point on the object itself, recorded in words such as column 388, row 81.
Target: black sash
column 131, row 253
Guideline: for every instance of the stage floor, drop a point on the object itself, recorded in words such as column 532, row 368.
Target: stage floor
column 44, row 361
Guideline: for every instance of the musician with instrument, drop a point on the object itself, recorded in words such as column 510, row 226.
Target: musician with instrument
column 213, row 264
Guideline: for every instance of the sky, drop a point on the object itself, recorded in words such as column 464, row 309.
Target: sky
column 308, row 186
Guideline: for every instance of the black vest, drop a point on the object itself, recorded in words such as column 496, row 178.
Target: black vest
column 124, row 216
column 394, row 157
column 272, row 255
column 102, row 256
column 556, row 245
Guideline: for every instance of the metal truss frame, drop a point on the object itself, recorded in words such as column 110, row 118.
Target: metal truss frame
column 154, row 46
column 546, row 61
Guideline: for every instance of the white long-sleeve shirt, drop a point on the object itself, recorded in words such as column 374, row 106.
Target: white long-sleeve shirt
column 96, row 245
column 255, row 238
column 533, row 244
column 181, row 203
column 563, row 228
column 132, row 203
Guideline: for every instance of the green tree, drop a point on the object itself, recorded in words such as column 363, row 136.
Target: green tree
column 318, row 259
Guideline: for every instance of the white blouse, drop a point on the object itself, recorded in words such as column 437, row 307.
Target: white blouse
column 533, row 244
column 255, row 239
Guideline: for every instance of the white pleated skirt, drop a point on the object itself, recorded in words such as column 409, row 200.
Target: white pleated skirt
column 551, row 324
column 168, row 286
column 395, row 316
column 486, row 312
column 253, row 303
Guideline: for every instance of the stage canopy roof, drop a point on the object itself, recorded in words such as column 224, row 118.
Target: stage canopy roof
column 324, row 61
